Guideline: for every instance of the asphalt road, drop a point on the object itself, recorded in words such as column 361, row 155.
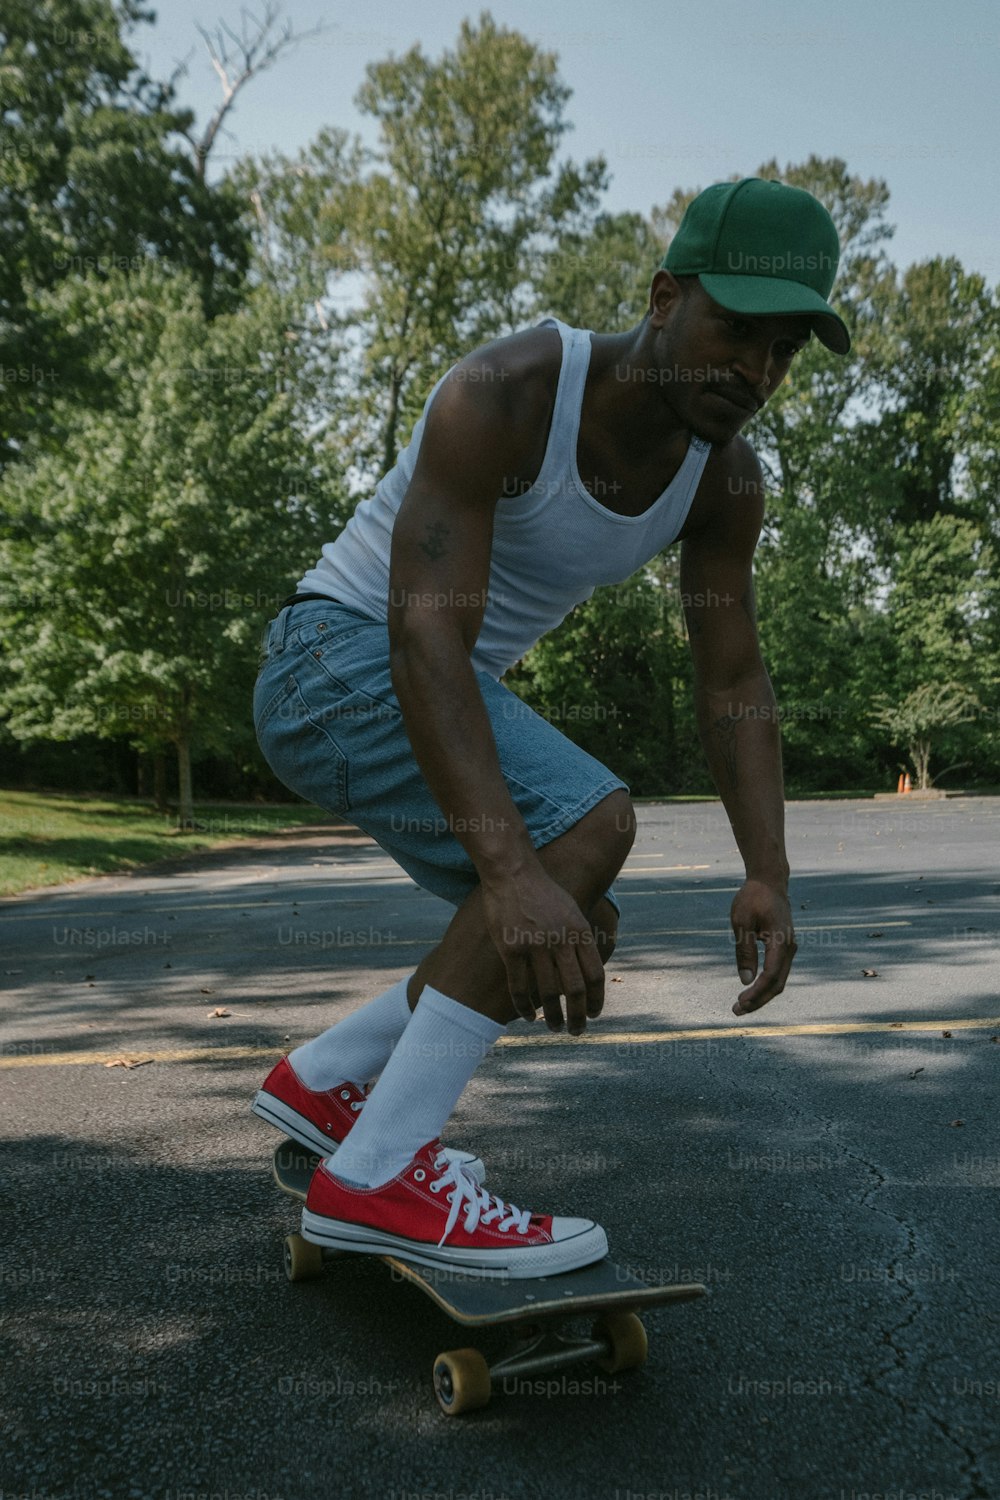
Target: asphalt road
column 828, row 1168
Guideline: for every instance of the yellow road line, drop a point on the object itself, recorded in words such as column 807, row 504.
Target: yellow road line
column 644, row 932
column 722, row 1033
column 227, row 1053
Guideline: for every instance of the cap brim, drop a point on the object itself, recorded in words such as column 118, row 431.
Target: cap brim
column 759, row 296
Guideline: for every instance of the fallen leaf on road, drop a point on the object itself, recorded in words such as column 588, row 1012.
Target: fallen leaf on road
column 129, row 1062
column 956, row 1122
column 895, row 1025
column 218, row 1011
column 946, row 1033
column 914, row 1073
column 615, row 979
column 870, row 973
column 208, row 992
column 876, row 934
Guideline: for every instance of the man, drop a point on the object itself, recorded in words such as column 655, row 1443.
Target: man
column 380, row 700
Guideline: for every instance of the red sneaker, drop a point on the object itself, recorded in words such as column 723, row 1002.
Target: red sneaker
column 435, row 1214
column 321, row 1118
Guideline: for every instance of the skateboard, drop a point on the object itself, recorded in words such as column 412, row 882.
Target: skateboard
column 535, row 1310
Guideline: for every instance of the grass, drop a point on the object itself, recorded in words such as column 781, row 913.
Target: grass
column 47, row 838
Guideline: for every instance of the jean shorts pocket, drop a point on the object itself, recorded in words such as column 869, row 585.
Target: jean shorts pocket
column 268, row 698
column 300, row 748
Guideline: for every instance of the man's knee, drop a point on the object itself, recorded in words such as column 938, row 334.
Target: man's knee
column 593, row 851
column 604, row 925
column 615, row 824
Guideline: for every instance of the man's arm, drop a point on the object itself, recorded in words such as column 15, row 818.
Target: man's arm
column 738, row 719
column 471, row 452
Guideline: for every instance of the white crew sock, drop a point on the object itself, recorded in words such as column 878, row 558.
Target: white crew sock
column 357, row 1048
column 420, row 1085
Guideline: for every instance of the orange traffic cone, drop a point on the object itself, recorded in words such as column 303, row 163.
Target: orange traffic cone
column 899, row 783
column 907, row 783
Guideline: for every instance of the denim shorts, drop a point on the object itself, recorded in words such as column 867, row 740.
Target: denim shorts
column 330, row 727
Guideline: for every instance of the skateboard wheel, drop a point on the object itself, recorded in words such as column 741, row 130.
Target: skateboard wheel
column 626, row 1340
column 461, row 1381
column 303, row 1260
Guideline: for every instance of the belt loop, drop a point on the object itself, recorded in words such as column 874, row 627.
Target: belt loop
column 278, row 629
column 274, row 634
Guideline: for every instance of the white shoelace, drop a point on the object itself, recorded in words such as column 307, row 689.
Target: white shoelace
column 480, row 1206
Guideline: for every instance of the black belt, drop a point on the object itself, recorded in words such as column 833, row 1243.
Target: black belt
column 298, row 599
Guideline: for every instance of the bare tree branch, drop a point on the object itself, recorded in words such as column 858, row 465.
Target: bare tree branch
column 238, row 58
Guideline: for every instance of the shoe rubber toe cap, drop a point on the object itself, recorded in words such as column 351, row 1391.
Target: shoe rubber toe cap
column 579, row 1229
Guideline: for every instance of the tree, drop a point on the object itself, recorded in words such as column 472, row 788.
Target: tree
column 144, row 553
column 236, row 60
column 938, row 333
column 615, row 677
column 95, row 176
column 446, row 224
column 597, row 275
column 938, row 612
column 915, row 720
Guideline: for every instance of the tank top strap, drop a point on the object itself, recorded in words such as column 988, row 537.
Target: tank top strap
column 568, row 404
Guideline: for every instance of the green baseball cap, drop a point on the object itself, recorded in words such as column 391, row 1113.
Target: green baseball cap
column 761, row 247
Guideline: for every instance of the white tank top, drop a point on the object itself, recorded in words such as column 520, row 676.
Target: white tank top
column 552, row 546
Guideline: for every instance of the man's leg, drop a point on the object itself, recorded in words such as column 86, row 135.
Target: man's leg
column 465, row 1004
column 585, row 860
column 465, row 964
column 356, row 1049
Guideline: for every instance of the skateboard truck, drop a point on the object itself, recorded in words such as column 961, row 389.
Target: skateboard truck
column 464, row 1381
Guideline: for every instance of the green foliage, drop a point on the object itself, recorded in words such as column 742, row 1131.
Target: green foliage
column 942, row 670
column 147, row 547
column 598, row 276
column 917, row 718
column 95, row 176
column 449, row 222
column 615, row 677
column 942, row 582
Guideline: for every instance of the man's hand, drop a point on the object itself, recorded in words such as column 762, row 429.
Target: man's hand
column 547, row 947
column 761, row 913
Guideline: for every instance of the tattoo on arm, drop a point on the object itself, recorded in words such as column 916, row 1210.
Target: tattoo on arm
column 723, row 733
column 434, row 544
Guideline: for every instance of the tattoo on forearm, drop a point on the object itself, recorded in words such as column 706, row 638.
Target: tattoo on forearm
column 434, row 545
column 723, row 733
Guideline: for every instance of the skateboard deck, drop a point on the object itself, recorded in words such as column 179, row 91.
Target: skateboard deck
column 536, row 1308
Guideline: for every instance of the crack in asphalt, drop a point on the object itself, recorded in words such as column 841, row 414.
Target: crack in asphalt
column 916, row 1303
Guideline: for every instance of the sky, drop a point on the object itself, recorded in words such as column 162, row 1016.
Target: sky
column 676, row 95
